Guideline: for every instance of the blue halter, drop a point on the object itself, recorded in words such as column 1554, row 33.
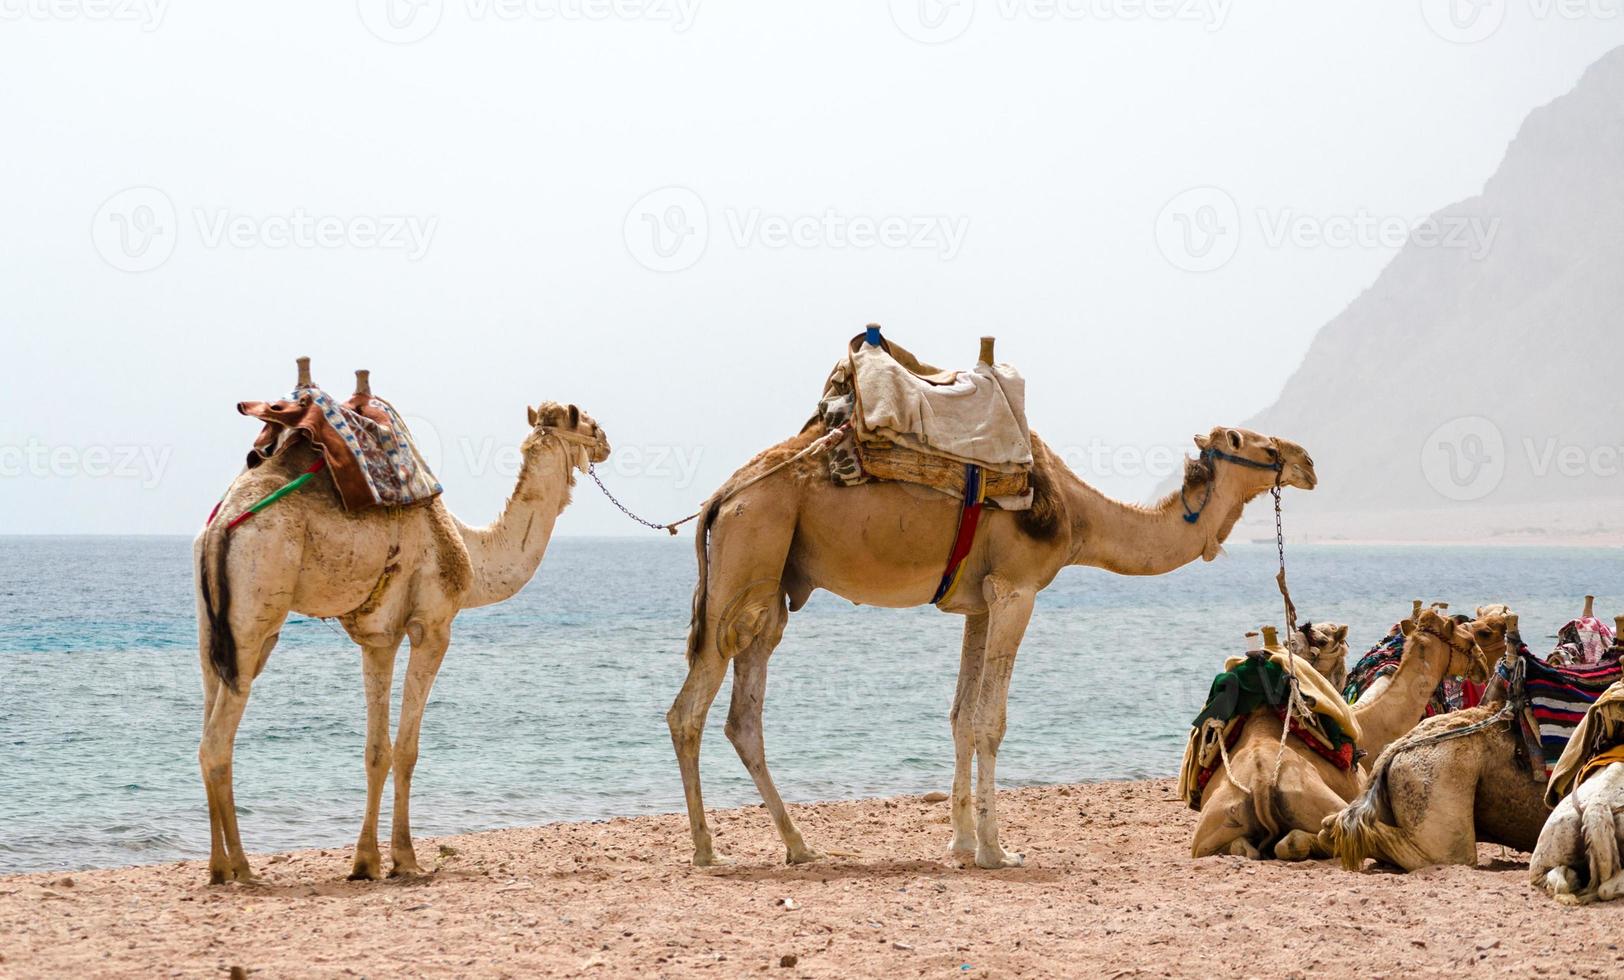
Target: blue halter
column 1211, row 456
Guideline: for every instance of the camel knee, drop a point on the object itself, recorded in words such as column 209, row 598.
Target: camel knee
column 380, row 756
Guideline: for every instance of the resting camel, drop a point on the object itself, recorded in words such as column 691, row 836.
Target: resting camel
column 1452, row 782
column 764, row 546
column 1259, row 815
column 1325, row 647
column 386, row 574
column 1577, row 858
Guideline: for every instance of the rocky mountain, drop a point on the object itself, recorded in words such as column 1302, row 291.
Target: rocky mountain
column 1475, row 393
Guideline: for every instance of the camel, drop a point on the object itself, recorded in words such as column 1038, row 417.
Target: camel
column 1247, row 813
column 1454, row 781
column 385, row 574
column 1325, row 647
column 768, row 538
column 1576, row 860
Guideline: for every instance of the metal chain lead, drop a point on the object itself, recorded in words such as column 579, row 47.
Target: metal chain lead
column 592, row 471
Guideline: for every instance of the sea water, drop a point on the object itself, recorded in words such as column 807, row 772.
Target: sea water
column 551, row 706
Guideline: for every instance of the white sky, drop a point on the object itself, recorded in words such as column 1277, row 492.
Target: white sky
column 522, row 148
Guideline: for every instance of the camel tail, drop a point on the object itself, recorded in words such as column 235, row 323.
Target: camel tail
column 696, row 625
column 215, row 587
column 1358, row 832
column 1601, row 841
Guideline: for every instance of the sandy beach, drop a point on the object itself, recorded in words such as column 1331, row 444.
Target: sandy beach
column 1109, row 891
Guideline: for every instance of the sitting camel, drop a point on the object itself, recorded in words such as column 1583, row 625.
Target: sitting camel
column 1577, row 857
column 1325, row 647
column 386, row 574
column 1246, row 812
column 771, row 536
column 1455, row 780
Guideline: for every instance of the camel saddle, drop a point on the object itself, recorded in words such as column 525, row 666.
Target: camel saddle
column 1261, row 680
column 364, row 442
column 915, row 423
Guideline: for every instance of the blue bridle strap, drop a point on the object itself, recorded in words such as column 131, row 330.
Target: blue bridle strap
column 1212, row 455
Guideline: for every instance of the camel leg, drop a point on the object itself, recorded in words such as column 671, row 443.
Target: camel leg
column 686, row 720
column 744, row 731
column 1010, row 609
column 377, row 675
column 1224, row 823
column 211, row 689
column 428, row 652
column 1305, row 803
column 963, row 719
column 227, row 862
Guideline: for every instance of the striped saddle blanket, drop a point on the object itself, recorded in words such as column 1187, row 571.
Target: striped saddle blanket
column 1558, row 697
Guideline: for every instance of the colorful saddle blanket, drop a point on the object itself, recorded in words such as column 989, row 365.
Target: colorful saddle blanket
column 367, row 446
column 1584, row 641
column 1383, row 660
column 1558, row 699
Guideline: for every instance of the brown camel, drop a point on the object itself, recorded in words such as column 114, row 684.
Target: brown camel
column 1248, row 813
column 1325, row 647
column 764, row 546
column 387, row 575
column 1454, row 781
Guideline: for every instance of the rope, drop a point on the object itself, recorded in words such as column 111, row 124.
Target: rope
column 822, row 443
column 1294, row 700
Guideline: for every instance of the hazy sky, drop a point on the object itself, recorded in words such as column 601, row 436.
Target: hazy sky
column 674, row 212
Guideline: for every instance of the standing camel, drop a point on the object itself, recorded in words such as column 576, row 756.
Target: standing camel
column 386, row 574
column 764, row 546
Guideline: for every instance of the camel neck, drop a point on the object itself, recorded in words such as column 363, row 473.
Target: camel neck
column 506, row 553
column 1395, row 709
column 1130, row 539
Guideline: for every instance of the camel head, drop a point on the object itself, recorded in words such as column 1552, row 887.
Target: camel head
column 1257, row 458
column 571, row 426
column 1325, row 645
column 1489, row 631
column 1435, row 632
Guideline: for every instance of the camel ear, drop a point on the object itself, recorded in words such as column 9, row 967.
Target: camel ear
column 1340, row 634
column 575, row 417
column 1234, row 439
column 532, row 414
column 1408, row 627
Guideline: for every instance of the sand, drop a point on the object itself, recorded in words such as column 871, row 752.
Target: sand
column 1109, row 891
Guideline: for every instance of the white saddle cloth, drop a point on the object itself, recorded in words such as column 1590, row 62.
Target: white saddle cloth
column 976, row 416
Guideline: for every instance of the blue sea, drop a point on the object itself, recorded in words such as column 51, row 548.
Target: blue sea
column 551, row 706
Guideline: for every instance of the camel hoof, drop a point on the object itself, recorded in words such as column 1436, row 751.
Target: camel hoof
column 712, row 860
column 999, row 860
column 964, row 857
column 805, row 856
column 407, row 870
column 365, row 871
